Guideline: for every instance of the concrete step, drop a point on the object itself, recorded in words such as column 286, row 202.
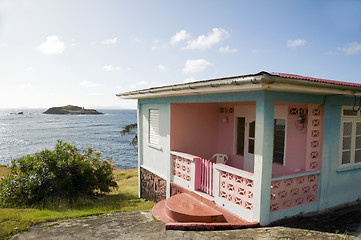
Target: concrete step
column 191, row 211
column 185, row 208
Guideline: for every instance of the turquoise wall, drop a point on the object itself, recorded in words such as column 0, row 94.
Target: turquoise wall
column 338, row 184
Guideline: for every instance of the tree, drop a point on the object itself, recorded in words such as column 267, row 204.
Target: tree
column 129, row 129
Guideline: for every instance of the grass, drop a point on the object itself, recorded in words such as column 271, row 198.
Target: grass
column 4, row 171
column 125, row 198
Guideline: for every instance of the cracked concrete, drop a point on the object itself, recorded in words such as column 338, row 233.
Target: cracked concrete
column 141, row 225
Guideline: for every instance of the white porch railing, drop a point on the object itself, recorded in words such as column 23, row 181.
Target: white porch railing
column 192, row 172
column 234, row 190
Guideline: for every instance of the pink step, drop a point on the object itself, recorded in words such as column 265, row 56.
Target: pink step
column 184, row 208
column 190, row 211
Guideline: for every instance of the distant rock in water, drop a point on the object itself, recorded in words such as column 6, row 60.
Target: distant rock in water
column 69, row 109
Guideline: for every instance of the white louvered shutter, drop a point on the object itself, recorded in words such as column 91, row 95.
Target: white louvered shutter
column 154, row 126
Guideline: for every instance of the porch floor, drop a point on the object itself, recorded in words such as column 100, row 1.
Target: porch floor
column 190, row 211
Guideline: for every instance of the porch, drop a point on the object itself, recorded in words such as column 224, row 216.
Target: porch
column 274, row 156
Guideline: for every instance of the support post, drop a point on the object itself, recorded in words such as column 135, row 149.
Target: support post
column 263, row 158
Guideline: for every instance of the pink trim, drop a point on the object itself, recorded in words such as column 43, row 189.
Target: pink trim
column 206, row 177
column 294, row 76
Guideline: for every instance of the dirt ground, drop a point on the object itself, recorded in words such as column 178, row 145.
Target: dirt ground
column 345, row 221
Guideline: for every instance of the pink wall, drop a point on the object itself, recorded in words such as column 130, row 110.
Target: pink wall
column 296, row 140
column 194, row 128
column 198, row 129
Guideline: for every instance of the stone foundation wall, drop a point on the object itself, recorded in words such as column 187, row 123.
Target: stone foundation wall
column 175, row 189
column 152, row 187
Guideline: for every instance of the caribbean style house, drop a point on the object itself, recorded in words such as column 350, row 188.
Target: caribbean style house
column 290, row 144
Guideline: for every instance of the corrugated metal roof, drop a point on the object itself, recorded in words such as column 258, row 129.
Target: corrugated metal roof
column 294, row 76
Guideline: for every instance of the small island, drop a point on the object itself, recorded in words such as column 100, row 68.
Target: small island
column 70, row 110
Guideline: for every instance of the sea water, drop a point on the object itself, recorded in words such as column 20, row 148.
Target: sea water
column 32, row 131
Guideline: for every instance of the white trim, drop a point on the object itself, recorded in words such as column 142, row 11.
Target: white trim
column 303, row 174
column 242, row 111
column 353, row 120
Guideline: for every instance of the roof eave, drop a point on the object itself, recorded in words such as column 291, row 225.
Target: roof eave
column 260, row 81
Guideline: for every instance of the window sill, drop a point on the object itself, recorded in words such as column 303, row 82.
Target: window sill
column 348, row 168
column 155, row 147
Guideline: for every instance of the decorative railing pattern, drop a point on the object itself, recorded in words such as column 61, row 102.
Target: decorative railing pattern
column 314, row 137
column 236, row 189
column 293, row 192
column 181, row 167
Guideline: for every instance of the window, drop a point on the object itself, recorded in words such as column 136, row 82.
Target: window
column 240, row 135
column 279, row 134
column 154, row 127
column 350, row 153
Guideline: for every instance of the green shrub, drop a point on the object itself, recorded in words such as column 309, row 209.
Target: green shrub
column 62, row 173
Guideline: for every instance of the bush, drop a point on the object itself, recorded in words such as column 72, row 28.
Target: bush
column 62, row 173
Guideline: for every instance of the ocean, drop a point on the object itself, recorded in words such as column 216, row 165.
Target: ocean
column 33, row 131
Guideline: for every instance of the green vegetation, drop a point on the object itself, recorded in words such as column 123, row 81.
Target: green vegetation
column 63, row 184
column 125, row 198
column 62, row 173
column 70, row 109
column 128, row 129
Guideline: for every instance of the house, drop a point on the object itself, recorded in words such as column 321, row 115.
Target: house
column 293, row 143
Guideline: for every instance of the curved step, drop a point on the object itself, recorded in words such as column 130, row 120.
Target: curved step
column 185, row 208
column 159, row 213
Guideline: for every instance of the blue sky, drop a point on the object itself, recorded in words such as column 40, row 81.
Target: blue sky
column 83, row 52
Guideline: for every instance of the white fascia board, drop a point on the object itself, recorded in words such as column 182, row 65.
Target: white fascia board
column 196, row 91
column 284, row 87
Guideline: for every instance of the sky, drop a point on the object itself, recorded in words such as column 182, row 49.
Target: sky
column 83, row 52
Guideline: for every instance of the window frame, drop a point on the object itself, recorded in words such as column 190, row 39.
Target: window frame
column 353, row 119
column 283, row 163
column 281, row 112
column 249, row 111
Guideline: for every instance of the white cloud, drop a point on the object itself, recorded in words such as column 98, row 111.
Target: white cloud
column 351, row 48
column 28, row 68
column 197, row 65
column 142, row 83
column 89, row 84
column 296, row 43
column 110, row 41
column 190, row 79
column 157, row 45
column 226, row 49
column 111, row 68
column 52, row 45
column 162, row 67
column 204, row 42
column 180, row 36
